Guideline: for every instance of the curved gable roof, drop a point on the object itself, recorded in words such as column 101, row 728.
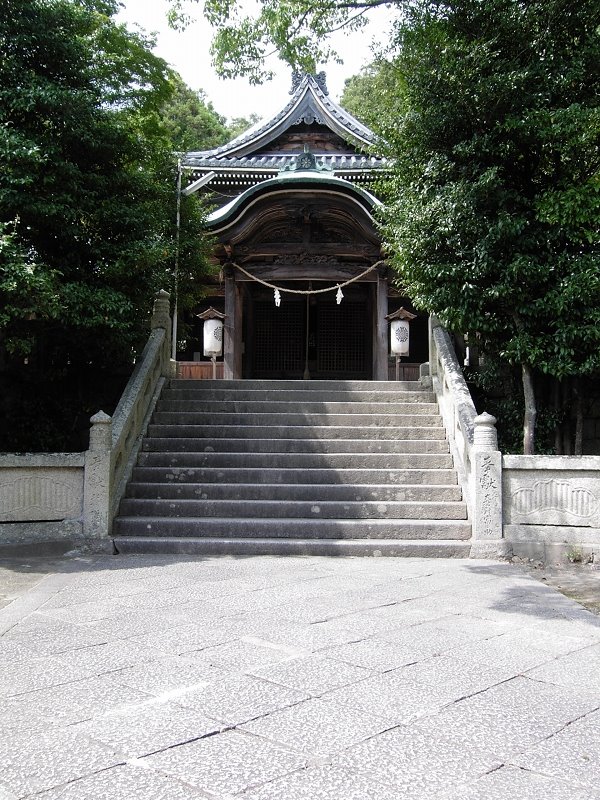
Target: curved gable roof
column 310, row 103
column 291, row 181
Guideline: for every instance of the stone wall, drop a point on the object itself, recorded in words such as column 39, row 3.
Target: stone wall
column 551, row 505
column 41, row 497
column 58, row 497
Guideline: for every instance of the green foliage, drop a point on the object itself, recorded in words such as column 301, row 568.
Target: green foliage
column 492, row 213
column 376, row 88
column 190, row 120
column 239, row 125
column 495, row 387
column 87, row 196
column 297, row 30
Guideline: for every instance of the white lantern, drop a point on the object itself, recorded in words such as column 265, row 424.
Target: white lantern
column 213, row 337
column 400, row 333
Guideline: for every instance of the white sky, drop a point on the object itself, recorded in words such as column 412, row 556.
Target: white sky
column 188, row 52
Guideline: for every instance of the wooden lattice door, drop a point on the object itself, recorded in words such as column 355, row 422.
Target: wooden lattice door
column 278, row 337
column 343, row 338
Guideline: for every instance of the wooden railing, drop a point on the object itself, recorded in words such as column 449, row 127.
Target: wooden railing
column 198, row 370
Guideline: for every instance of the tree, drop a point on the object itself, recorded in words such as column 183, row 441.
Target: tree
column 190, row 120
column 491, row 214
column 371, row 92
column 297, row 30
column 239, row 125
column 87, row 209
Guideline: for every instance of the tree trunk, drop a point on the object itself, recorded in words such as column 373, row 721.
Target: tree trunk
column 567, row 400
column 556, row 394
column 530, row 411
column 578, row 450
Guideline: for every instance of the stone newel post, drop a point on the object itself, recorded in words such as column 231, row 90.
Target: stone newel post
column 161, row 319
column 96, row 493
column 486, row 471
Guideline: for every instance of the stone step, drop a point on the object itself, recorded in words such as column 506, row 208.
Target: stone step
column 340, row 395
column 304, row 461
column 173, row 405
column 274, row 432
column 181, row 475
column 322, row 467
column 215, row 546
column 319, row 420
column 292, row 509
column 278, row 444
column 196, row 527
column 294, row 491
column 267, row 384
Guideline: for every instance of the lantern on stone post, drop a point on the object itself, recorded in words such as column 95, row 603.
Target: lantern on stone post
column 400, row 335
column 212, row 335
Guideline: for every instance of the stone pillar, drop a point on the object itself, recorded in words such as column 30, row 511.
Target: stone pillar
column 161, row 311
column 161, row 318
column 380, row 330
column 96, row 483
column 486, row 487
column 432, row 324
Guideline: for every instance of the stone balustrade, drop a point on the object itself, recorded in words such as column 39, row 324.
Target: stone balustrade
column 551, row 505
column 542, row 507
column 535, row 506
column 74, row 496
column 473, row 444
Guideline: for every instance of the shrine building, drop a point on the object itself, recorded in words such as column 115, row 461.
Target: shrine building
column 303, row 282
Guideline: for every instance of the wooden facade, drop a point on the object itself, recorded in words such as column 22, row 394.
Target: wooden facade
column 295, row 214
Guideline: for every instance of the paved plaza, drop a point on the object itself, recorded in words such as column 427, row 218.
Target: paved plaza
column 299, row 678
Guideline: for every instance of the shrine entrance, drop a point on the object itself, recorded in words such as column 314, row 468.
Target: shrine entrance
column 309, row 232
column 311, row 337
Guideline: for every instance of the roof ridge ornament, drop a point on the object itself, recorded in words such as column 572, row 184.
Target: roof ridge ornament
column 320, row 78
column 306, row 162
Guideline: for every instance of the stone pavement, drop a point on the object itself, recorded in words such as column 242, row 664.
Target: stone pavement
column 300, row 678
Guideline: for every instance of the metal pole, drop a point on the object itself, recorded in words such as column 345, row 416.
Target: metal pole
column 176, row 287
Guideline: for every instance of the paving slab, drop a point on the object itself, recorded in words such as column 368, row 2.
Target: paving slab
column 509, row 783
column 269, row 678
column 226, row 764
column 235, row 699
column 572, row 753
column 32, row 762
column 125, row 782
column 317, row 727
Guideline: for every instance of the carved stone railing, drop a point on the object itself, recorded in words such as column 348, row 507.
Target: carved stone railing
column 552, row 506
column 114, row 443
column 454, row 399
column 473, row 445
column 41, row 497
column 74, row 496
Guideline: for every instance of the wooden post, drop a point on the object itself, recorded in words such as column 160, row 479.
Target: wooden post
column 237, row 345
column 232, row 330
column 380, row 329
column 229, row 326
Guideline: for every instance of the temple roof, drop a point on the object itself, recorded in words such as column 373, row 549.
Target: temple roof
column 309, row 107
column 297, row 180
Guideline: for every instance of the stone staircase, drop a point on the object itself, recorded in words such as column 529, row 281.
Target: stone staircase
column 315, row 467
